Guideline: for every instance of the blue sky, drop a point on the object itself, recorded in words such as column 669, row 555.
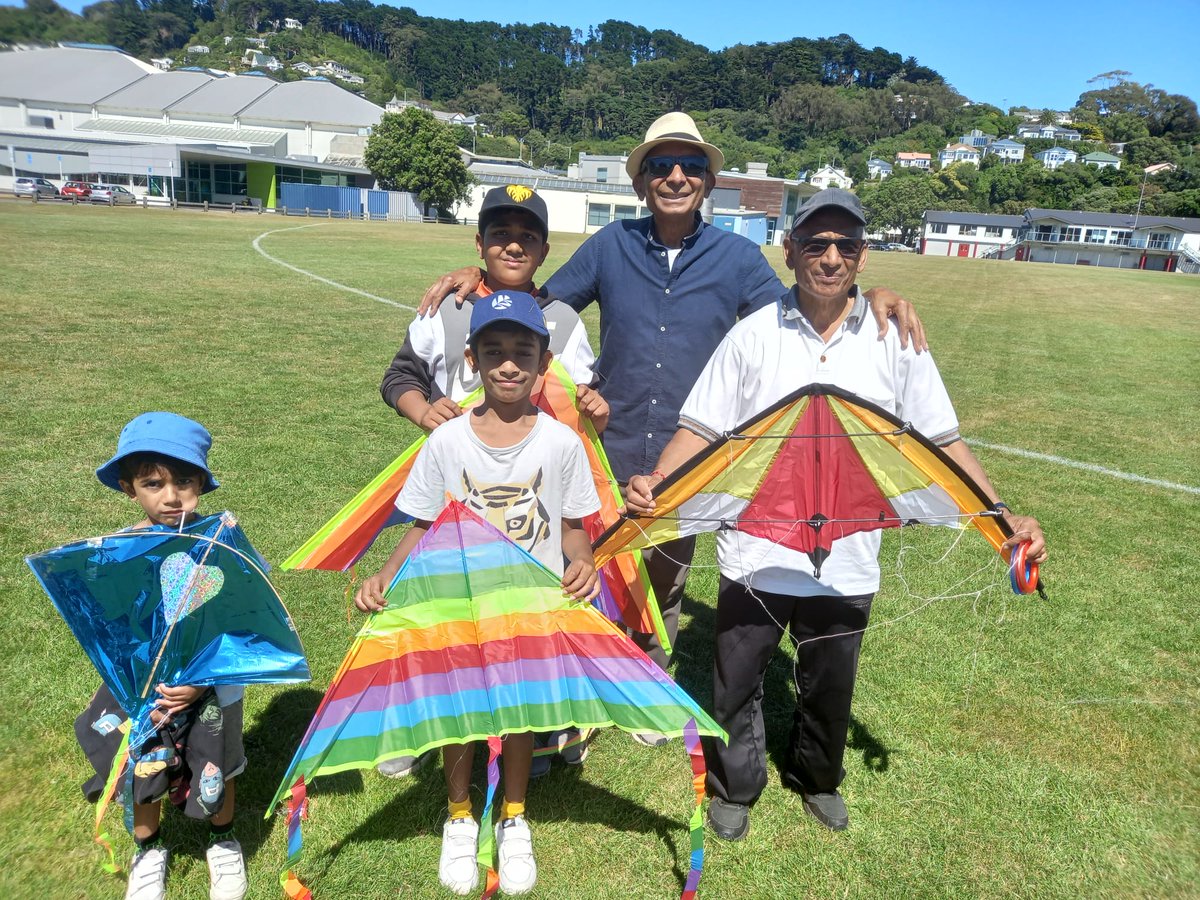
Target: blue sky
column 1007, row 54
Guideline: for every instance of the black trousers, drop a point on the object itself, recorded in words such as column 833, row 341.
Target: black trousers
column 748, row 631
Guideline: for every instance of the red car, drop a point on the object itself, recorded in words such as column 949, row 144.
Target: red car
column 80, row 189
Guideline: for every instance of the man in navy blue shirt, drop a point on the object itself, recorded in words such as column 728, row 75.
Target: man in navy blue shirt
column 669, row 287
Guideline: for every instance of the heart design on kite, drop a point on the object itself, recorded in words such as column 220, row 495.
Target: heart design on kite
column 185, row 585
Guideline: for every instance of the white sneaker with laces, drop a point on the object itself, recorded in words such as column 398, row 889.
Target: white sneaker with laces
column 226, row 871
column 148, row 875
column 514, row 843
column 457, row 869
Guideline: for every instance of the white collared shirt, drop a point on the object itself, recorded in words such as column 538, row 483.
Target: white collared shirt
column 772, row 353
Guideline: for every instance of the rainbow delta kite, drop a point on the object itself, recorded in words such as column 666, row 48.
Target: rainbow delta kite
column 626, row 595
column 477, row 642
column 818, row 465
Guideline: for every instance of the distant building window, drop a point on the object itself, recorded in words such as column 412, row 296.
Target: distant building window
column 602, row 174
column 1122, row 238
column 1071, row 235
column 599, row 214
column 624, row 212
column 1096, row 235
column 968, row 229
column 1160, row 240
column 938, row 228
column 994, row 231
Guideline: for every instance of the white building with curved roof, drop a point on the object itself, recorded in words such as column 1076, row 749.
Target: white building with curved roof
column 213, row 136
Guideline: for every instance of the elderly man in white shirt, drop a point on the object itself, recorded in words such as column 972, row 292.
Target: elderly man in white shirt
column 819, row 333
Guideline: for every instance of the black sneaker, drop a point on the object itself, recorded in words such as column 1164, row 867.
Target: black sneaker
column 828, row 809
column 729, row 821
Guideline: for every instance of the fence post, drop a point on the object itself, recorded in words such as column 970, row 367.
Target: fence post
column 233, row 207
column 307, row 212
column 206, row 206
column 329, row 213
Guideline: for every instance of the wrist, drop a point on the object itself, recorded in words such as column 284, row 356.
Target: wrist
column 1001, row 507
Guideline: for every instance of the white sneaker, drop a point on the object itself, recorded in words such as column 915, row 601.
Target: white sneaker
column 457, row 869
column 514, row 844
column 226, row 871
column 148, row 875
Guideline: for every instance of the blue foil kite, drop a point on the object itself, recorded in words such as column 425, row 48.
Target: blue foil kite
column 160, row 606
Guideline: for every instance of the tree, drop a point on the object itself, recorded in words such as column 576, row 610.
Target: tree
column 413, row 151
column 899, row 204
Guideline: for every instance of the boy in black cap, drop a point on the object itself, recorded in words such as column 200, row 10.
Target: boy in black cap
column 527, row 474
column 428, row 377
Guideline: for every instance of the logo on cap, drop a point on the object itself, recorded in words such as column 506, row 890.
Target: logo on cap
column 501, row 301
column 518, row 192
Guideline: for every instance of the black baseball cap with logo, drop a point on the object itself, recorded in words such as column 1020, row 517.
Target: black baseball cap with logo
column 514, row 196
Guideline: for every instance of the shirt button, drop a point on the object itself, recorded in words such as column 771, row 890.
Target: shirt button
column 658, row 365
column 822, row 358
column 653, row 402
column 662, row 327
column 662, row 252
column 668, row 290
column 650, row 435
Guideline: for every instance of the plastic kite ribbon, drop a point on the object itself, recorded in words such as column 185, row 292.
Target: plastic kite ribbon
column 160, row 606
column 478, row 642
column 816, row 466
column 626, row 595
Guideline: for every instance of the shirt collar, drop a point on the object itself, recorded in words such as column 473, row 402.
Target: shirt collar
column 791, row 307
column 652, row 237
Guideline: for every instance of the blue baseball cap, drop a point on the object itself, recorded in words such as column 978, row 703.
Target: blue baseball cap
column 164, row 433
column 507, row 306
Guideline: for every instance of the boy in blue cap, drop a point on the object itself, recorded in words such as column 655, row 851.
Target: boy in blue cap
column 161, row 464
column 527, row 474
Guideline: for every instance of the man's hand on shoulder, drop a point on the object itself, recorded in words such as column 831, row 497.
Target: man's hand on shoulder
column 460, row 283
column 884, row 303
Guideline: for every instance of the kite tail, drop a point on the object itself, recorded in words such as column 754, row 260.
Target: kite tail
column 297, row 809
column 691, row 739
column 100, row 836
column 487, row 837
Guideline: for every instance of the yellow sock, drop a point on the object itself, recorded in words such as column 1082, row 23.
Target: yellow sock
column 510, row 810
column 461, row 810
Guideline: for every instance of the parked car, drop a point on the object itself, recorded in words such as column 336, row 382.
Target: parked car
column 903, row 248
column 27, row 187
column 111, row 193
column 80, row 189
column 878, row 245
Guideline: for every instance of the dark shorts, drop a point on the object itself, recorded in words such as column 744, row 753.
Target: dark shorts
column 189, row 762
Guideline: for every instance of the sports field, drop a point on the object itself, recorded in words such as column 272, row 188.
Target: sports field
column 1001, row 746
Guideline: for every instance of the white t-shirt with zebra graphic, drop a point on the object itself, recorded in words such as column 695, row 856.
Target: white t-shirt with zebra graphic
column 525, row 490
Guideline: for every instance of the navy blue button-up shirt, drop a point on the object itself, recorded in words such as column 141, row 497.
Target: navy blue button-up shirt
column 659, row 324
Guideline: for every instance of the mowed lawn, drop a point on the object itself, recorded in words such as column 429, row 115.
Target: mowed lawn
column 1001, row 746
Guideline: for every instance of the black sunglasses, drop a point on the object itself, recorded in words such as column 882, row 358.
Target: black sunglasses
column 849, row 248
column 662, row 166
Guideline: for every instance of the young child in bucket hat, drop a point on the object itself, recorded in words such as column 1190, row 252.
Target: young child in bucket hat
column 161, row 464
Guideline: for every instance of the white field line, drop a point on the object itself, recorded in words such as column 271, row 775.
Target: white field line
column 1087, row 467
column 307, row 274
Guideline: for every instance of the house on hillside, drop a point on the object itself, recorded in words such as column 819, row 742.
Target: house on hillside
column 1047, row 132
column 878, row 169
column 1101, row 160
column 1056, row 156
column 956, row 153
column 976, row 138
column 293, row 24
column 1006, row 150
column 1160, row 168
column 163, row 63
column 906, row 160
column 830, row 176
column 199, row 49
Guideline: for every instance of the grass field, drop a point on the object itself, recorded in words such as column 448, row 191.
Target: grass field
column 1001, row 747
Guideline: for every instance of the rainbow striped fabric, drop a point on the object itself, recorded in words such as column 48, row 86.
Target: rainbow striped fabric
column 478, row 642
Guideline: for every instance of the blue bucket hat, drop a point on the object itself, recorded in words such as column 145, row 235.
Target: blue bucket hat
column 507, row 306
column 167, row 434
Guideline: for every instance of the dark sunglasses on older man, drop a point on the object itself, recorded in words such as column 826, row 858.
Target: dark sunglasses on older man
column 662, row 166
column 849, row 248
